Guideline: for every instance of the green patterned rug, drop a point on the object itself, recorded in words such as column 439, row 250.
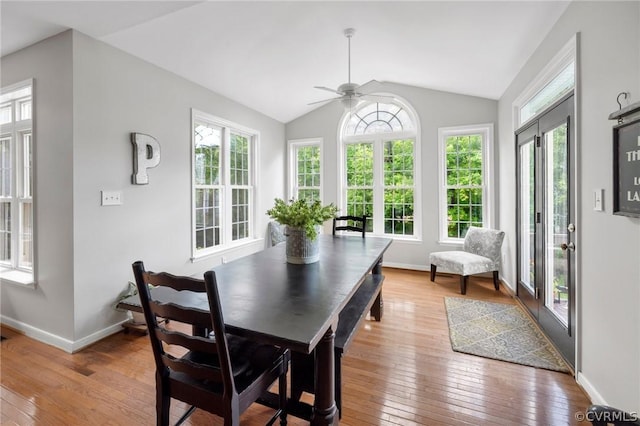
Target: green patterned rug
column 499, row 331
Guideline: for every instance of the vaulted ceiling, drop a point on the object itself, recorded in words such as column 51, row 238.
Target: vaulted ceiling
column 269, row 55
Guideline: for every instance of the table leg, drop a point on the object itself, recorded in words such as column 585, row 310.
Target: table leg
column 377, row 268
column 378, row 306
column 324, row 406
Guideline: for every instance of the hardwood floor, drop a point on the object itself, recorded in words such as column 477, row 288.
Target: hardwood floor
column 399, row 371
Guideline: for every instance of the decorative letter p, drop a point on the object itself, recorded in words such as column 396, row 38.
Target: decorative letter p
column 146, row 155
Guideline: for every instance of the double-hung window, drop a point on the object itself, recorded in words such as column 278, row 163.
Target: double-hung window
column 305, row 169
column 16, row 183
column 465, row 179
column 223, row 183
column 379, row 171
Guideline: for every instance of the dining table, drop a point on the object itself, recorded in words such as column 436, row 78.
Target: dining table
column 294, row 306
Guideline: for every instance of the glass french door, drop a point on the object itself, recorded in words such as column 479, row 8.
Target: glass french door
column 546, row 223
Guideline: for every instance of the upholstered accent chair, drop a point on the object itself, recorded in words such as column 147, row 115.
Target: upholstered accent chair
column 481, row 252
column 276, row 233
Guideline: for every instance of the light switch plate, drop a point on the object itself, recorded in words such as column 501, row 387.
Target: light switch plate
column 598, row 200
column 111, row 198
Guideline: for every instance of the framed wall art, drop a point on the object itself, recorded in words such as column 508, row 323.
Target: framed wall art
column 626, row 169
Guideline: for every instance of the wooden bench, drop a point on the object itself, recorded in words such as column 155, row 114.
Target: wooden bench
column 367, row 298
column 132, row 303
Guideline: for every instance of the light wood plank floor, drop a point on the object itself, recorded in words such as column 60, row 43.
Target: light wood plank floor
column 400, row 371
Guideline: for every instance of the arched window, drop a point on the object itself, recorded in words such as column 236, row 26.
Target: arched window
column 379, row 171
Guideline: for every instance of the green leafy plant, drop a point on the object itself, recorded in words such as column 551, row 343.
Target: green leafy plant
column 303, row 214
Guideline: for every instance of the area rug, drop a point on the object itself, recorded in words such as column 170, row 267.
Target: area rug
column 499, row 331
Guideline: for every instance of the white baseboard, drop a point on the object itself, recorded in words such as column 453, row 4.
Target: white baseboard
column 66, row 345
column 508, row 284
column 405, row 266
column 594, row 395
column 98, row 335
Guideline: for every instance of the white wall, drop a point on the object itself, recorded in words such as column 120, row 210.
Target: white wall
column 48, row 307
column 435, row 109
column 115, row 94
column 609, row 246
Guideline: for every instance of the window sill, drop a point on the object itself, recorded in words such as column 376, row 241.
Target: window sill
column 227, row 249
column 404, row 239
column 16, row 277
column 451, row 242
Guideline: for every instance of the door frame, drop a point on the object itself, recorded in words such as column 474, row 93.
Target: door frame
column 535, row 302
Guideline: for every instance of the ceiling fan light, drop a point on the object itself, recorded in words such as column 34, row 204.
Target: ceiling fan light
column 349, row 102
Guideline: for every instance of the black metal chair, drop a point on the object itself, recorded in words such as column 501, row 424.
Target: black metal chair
column 602, row 415
column 222, row 374
column 352, row 223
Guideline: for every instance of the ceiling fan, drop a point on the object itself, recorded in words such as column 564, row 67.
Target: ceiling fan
column 350, row 96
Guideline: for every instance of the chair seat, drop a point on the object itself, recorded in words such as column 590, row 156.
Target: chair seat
column 462, row 262
column 255, row 359
column 246, row 356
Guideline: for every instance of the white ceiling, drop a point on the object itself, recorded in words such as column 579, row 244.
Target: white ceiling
column 269, row 55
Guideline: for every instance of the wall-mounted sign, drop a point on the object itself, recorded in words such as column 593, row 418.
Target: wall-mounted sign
column 626, row 169
column 146, row 155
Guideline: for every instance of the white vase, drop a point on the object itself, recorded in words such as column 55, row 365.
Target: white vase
column 299, row 248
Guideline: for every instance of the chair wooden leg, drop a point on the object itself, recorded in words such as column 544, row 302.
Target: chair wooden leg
column 463, row 284
column 377, row 308
column 433, row 272
column 163, row 402
column 282, row 391
column 496, row 280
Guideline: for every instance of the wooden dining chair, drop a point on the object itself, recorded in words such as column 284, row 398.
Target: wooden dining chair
column 351, row 223
column 222, row 374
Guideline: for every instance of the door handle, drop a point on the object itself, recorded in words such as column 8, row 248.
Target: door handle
column 570, row 246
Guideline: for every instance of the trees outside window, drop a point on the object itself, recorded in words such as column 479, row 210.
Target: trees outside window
column 379, row 173
column 305, row 169
column 465, row 192
column 223, row 183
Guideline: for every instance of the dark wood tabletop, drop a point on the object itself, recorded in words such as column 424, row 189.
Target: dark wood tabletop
column 294, row 306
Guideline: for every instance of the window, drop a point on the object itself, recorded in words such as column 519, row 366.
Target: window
column 557, row 79
column 223, row 183
column 465, row 190
column 305, row 169
column 379, row 145
column 16, row 183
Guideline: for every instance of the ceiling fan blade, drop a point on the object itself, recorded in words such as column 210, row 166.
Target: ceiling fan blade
column 328, row 89
column 325, row 100
column 378, row 98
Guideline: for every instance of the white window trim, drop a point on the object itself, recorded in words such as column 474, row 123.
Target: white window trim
column 294, row 144
column 488, row 190
column 556, row 65
column 11, row 273
column 228, row 243
column 378, row 229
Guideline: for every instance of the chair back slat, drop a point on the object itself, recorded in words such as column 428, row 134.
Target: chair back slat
column 177, row 283
column 193, row 369
column 179, row 313
column 203, row 345
column 353, row 223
